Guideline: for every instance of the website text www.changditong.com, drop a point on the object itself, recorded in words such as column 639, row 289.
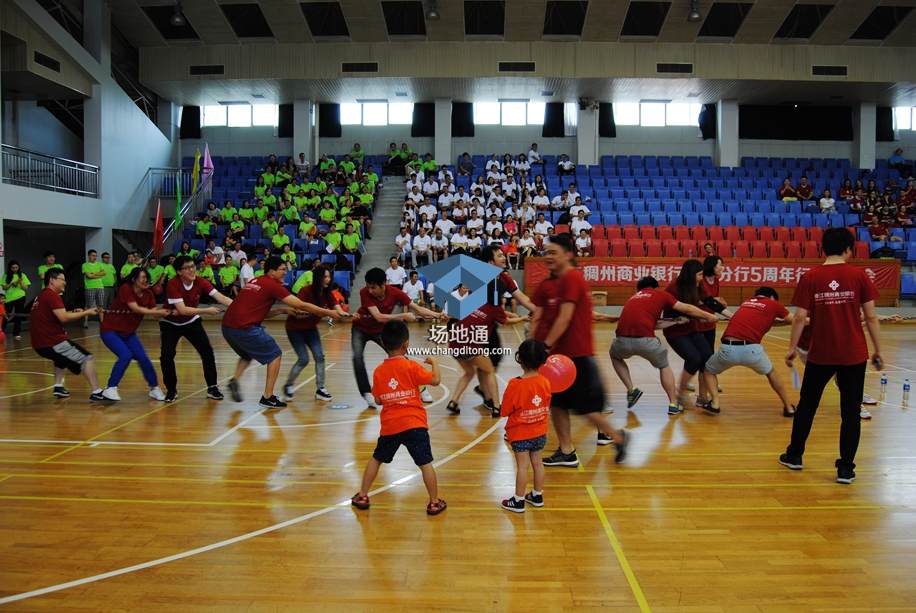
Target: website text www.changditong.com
column 462, row 352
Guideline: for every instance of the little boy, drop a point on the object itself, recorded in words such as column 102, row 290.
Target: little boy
column 396, row 387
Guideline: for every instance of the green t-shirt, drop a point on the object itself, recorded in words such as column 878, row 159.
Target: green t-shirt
column 293, row 189
column 366, row 199
column 344, row 210
column 350, row 241
column 235, row 226
column 226, row 214
column 228, row 274
column 259, row 273
column 429, row 166
column 348, row 167
column 333, row 239
column 268, row 229
column 270, row 201
column 260, row 213
column 332, row 198
column 301, row 200
column 373, row 178
column 206, row 273
column 155, row 272
column 269, row 179
column 359, row 154
column 291, row 214
column 43, row 269
column 279, row 241
column 288, row 257
column 259, row 190
column 305, row 228
column 109, row 279
column 341, row 226
column 15, row 292
column 405, row 154
column 303, row 280
column 203, row 228
column 320, row 187
column 325, row 165
column 170, row 272
column 282, row 176
column 327, row 215
column 246, row 215
column 127, row 268
column 416, row 164
column 87, row 282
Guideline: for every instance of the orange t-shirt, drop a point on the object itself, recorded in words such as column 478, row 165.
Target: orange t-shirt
column 526, row 402
column 397, row 383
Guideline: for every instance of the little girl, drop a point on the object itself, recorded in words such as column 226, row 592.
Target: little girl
column 526, row 403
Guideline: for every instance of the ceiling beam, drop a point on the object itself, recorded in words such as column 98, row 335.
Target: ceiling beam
column 843, row 21
column 604, row 20
column 904, row 35
column 209, row 22
column 762, row 23
column 450, row 26
column 134, row 24
column 676, row 28
column 286, row 21
column 365, row 20
column 525, row 20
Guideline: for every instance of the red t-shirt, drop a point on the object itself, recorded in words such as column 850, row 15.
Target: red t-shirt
column 691, row 326
column 878, row 230
column 833, row 296
column 392, row 298
column 754, row 319
column 577, row 341
column 253, row 303
column 175, row 291
column 526, row 402
column 465, row 333
column 46, row 328
column 642, row 311
column 713, row 290
column 804, row 341
column 804, row 191
column 310, row 322
column 509, row 282
column 122, row 321
column 396, row 382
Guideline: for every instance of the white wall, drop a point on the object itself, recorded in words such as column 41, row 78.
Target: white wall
column 514, row 140
column 374, row 140
column 29, row 126
column 797, row 149
column 907, row 142
column 668, row 140
column 234, row 142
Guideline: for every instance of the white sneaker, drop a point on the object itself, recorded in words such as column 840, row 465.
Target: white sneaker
column 425, row 396
column 157, row 394
column 869, row 400
column 864, row 413
column 370, row 401
column 691, row 387
column 323, row 394
column 607, row 409
column 111, row 393
column 287, row 393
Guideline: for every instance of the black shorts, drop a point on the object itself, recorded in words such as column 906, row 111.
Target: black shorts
column 494, row 347
column 66, row 355
column 416, row 440
column 586, row 394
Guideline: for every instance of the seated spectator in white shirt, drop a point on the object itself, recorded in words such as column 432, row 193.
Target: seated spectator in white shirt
column 445, row 224
column 583, row 244
column 395, row 274
column 541, row 201
column 561, row 202
column 496, row 238
column 246, row 272
column 444, row 173
column 510, row 188
column 217, row 251
column 497, row 196
column 527, row 213
column 460, row 240
column 580, row 223
column 493, row 162
column 522, row 167
column 542, row 226
column 413, row 182
column 476, row 206
column 534, row 157
column 428, row 208
column 414, row 288
column 573, row 192
column 415, row 196
column 440, row 245
column 430, row 187
column 494, row 224
column 474, row 221
column 445, row 200
column 827, row 203
column 447, row 185
column 565, row 167
column 578, row 206
column 403, row 243
column 495, row 173
column 421, row 246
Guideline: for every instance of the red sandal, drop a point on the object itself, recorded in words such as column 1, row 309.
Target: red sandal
column 434, row 508
column 360, row 502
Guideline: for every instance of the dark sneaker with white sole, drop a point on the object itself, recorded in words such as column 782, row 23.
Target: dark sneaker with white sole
column 516, row 506
column 622, row 448
column 562, row 459
column 535, row 500
column 633, row 397
column 60, row 392
column 322, row 394
column 272, row 403
column 792, row 462
column 214, row 394
column 98, row 398
column 171, row 396
column 845, row 475
column 604, row 439
column 234, row 391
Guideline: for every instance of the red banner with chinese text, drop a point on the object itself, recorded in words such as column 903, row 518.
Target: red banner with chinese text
column 606, row 272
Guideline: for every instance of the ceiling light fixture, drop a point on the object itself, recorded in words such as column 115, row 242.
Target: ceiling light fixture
column 177, row 19
column 432, row 14
column 694, row 16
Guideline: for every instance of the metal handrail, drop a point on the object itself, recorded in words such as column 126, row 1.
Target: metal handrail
column 43, row 171
column 190, row 207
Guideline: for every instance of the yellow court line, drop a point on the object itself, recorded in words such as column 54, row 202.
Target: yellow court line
column 618, row 550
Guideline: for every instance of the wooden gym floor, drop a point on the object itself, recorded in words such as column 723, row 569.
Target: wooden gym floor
column 216, row 506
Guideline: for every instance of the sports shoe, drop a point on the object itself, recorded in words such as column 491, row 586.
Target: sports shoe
column 869, row 400
column 287, row 393
column 322, row 394
column 845, row 475
column 61, row 392
column 171, row 395
column 99, row 397
column 425, row 396
column 633, row 397
column 675, row 409
column 562, row 459
column 86, row 325
column 370, row 400
column 864, row 413
column 157, row 394
column 17, row 338
column 111, row 393
column 271, row 403
column 622, row 448
column 496, row 412
column 214, row 394
column 514, row 505
column 604, row 439
column 691, row 387
column 793, row 462
column 719, row 387
column 535, row 500
column 360, row 502
column 607, row 408
column 234, row 390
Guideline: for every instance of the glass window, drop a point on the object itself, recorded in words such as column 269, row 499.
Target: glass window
column 400, row 113
column 652, row 114
column 486, row 113
column 239, row 116
column 677, row 115
column 695, row 110
column 536, row 112
column 626, row 113
column 903, row 117
column 213, row 116
column 264, row 114
column 351, row 114
column 514, row 114
column 571, row 119
column 375, row 114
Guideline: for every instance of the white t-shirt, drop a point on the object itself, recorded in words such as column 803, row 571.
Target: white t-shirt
column 430, row 189
column 474, row 224
column 522, row 167
column 218, row 256
column 494, row 197
column 459, row 241
column 396, row 277
column 246, row 273
column 583, row 243
column 445, row 172
column 542, row 227
column 565, row 165
column 412, row 184
column 495, row 174
column 526, row 214
column 559, row 201
column 429, row 209
column 413, row 289
column 827, row 203
column 526, row 242
column 491, row 163
column 573, row 195
column 473, row 243
column 577, row 225
column 534, row 156
column 574, row 210
column 422, row 242
column 493, row 225
column 540, row 200
column 440, row 242
column 447, row 225
column 495, row 241
column 398, row 240
column 418, row 198
column 510, row 188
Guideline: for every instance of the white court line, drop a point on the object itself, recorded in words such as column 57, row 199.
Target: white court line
column 44, row 389
column 237, row 539
column 25, row 372
column 258, row 413
column 30, row 348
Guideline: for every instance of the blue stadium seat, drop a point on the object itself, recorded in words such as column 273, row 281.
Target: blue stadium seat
column 342, row 278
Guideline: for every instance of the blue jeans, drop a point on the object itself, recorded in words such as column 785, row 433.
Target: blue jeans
column 127, row 347
column 358, row 341
column 302, row 341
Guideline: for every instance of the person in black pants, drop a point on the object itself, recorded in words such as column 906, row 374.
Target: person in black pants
column 831, row 296
column 183, row 294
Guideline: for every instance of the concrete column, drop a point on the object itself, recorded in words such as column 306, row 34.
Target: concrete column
column 727, row 133
column 302, row 130
column 316, row 140
column 100, row 240
column 864, row 118
column 97, row 41
column 587, row 138
column 442, row 150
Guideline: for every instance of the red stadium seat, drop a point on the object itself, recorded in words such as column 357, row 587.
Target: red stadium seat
column 562, row 229
column 646, row 232
column 783, row 234
column 861, row 251
column 654, row 248
column 816, row 234
column 799, row 234
column 618, row 248
column 742, row 250
column 637, row 249
column 777, row 249
column 689, row 250
column 715, row 234
column 724, row 248
column 749, row 233
column 630, row 233
column 698, row 233
column 597, row 233
column 665, row 233
column 612, row 232
column 732, row 233
column 672, row 249
column 681, row 233
column 759, row 249
column 793, row 250
column 766, row 234
column 810, row 250
column 600, row 247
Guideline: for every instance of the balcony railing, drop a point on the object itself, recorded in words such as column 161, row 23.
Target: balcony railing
column 162, row 186
column 42, row 171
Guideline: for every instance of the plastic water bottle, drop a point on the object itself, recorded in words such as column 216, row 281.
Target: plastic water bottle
column 883, row 383
column 906, row 391
column 734, row 253
column 690, row 253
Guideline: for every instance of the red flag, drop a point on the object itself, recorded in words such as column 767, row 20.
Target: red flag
column 158, row 231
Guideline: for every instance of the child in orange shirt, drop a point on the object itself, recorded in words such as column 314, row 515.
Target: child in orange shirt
column 396, row 388
column 526, row 402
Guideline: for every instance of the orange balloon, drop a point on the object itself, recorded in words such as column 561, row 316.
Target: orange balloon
column 560, row 371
